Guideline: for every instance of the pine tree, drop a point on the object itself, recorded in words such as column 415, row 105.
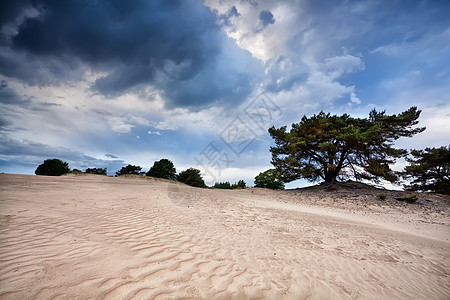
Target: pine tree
column 429, row 170
column 330, row 147
column 163, row 168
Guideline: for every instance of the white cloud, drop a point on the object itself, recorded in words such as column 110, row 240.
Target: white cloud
column 354, row 99
column 233, row 174
column 339, row 65
column 303, row 59
column 120, row 125
column 436, row 119
column 263, row 43
column 208, row 120
column 154, row 132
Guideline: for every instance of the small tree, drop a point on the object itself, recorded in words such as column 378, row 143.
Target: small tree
column 326, row 147
column 239, row 185
column 98, row 171
column 242, row 184
column 223, row 185
column 429, row 170
column 269, row 179
column 129, row 169
column 191, row 177
column 163, row 169
column 52, row 167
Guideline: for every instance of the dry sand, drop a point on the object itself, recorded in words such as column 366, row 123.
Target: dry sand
column 79, row 237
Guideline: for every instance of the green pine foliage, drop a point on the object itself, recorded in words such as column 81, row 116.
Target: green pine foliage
column 228, row 186
column 223, row 185
column 269, row 179
column 52, row 167
column 129, row 169
column 163, row 168
column 328, row 147
column 239, row 185
column 99, row 171
column 429, row 170
column 191, row 177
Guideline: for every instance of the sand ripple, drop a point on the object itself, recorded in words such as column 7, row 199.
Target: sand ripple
column 92, row 237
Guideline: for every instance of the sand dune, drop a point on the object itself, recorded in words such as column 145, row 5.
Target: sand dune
column 81, row 237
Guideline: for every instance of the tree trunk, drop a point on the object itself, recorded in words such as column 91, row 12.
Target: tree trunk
column 330, row 177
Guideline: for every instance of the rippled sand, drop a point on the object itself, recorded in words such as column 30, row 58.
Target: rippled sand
column 78, row 237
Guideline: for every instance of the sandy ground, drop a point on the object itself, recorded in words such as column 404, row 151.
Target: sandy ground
column 80, row 237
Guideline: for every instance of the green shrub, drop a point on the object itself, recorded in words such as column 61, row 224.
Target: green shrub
column 382, row 197
column 129, row 169
column 409, row 199
column 52, row 167
column 163, row 168
column 191, row 177
column 239, row 185
column 223, row 185
column 98, row 171
column 269, row 179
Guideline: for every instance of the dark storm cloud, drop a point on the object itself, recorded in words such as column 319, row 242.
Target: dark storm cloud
column 266, row 17
column 162, row 43
column 10, row 10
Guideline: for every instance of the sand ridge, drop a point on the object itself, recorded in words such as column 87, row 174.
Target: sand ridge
column 81, row 237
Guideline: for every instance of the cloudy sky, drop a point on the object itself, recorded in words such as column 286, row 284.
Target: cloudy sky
column 106, row 83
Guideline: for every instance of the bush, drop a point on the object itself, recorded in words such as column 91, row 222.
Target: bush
column 163, row 169
column 52, row 167
column 98, row 171
column 226, row 185
column 239, row 185
column 223, row 185
column 191, row 177
column 382, row 197
column 409, row 199
column 130, row 169
column 269, row 179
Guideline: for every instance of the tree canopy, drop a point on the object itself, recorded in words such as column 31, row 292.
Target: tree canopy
column 129, row 169
column 330, row 147
column 269, row 179
column 52, row 167
column 239, row 185
column 228, row 186
column 191, row 177
column 429, row 170
column 163, row 168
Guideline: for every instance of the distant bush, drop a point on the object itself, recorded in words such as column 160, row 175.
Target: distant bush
column 382, row 197
column 191, row 177
column 163, row 168
column 239, row 185
column 226, row 185
column 223, row 185
column 98, row 171
column 76, row 171
column 52, row 167
column 130, row 169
